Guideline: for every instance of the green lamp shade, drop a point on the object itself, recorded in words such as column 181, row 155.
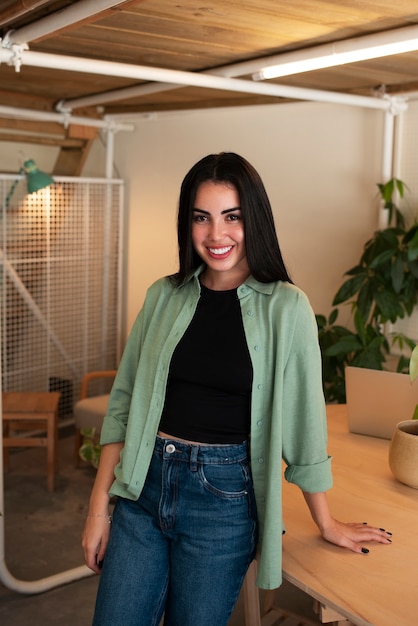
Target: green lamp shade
column 36, row 179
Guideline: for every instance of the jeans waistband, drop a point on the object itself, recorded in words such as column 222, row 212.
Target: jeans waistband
column 201, row 453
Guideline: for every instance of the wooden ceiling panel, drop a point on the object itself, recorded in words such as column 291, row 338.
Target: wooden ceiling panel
column 194, row 36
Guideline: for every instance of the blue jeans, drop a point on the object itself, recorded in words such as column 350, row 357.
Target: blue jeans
column 183, row 548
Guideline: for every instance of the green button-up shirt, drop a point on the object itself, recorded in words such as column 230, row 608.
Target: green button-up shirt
column 287, row 404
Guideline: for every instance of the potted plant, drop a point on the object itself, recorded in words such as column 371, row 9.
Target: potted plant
column 382, row 287
column 90, row 448
column 403, row 450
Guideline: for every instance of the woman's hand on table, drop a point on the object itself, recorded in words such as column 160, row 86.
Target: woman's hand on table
column 346, row 535
column 354, row 535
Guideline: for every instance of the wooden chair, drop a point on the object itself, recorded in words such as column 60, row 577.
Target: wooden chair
column 90, row 410
column 31, row 411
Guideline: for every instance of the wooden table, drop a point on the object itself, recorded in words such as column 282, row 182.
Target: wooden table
column 380, row 588
column 26, row 410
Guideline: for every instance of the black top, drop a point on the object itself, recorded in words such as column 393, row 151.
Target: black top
column 210, row 377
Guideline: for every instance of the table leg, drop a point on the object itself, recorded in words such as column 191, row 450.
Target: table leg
column 251, row 597
column 52, row 443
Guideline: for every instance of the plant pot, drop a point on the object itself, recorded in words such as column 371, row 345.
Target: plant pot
column 403, row 453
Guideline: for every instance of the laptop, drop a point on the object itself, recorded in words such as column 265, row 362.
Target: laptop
column 377, row 400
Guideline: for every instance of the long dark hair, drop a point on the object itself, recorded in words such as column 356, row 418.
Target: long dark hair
column 262, row 247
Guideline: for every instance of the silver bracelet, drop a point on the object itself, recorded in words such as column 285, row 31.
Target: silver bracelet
column 108, row 517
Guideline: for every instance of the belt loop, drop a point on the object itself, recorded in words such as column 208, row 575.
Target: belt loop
column 193, row 458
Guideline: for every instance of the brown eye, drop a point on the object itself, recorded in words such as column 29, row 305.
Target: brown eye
column 198, row 219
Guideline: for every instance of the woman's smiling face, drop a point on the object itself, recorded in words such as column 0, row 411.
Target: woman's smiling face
column 218, row 235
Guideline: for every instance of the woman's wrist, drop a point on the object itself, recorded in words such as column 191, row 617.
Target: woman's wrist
column 318, row 506
column 103, row 515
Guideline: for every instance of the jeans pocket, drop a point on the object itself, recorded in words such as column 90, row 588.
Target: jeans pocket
column 229, row 480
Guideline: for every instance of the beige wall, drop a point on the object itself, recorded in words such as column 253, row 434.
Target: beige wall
column 320, row 164
column 13, row 154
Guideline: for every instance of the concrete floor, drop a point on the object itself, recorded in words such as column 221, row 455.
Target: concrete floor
column 42, row 538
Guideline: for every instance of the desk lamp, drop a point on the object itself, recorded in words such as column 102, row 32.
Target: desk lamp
column 35, row 179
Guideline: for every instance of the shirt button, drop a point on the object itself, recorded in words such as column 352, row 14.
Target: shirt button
column 250, row 313
column 260, row 423
column 170, row 448
column 257, row 348
column 260, row 386
column 261, row 460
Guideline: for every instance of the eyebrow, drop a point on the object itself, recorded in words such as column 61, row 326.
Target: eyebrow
column 222, row 212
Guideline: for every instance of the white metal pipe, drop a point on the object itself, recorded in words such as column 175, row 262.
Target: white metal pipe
column 61, row 19
column 398, row 141
column 387, row 162
column 387, row 156
column 110, row 148
column 114, row 95
column 140, row 72
column 227, row 71
column 106, row 247
column 60, row 118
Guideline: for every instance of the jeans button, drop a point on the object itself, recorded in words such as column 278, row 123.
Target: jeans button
column 170, row 448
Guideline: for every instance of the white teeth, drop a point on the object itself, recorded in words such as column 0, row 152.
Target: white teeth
column 220, row 250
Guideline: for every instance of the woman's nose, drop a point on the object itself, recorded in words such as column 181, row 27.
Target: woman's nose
column 216, row 230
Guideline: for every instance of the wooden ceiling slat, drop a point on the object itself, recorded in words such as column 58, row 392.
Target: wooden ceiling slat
column 47, row 128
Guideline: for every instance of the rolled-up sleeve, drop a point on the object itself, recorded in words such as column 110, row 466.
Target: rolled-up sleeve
column 311, row 478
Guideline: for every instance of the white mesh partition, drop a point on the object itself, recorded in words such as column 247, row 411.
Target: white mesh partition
column 59, row 283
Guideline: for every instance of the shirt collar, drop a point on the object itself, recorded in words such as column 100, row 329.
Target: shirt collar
column 251, row 282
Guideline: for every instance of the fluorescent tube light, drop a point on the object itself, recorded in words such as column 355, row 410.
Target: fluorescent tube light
column 341, row 52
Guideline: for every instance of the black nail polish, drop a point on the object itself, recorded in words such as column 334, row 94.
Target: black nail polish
column 365, row 523
column 365, row 550
column 388, row 533
column 382, row 529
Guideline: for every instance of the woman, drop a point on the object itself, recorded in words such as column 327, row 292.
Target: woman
column 222, row 367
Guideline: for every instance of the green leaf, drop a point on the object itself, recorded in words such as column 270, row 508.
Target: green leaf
column 415, row 415
column 88, row 432
column 390, row 236
column 365, row 299
column 403, row 365
column 398, row 274
column 410, row 234
column 386, row 190
column 345, row 346
column 360, row 326
column 401, row 186
column 389, row 306
column 382, row 258
column 413, row 268
column 413, row 248
column 321, row 321
column 333, row 317
column 358, row 269
column 349, row 288
column 413, row 364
